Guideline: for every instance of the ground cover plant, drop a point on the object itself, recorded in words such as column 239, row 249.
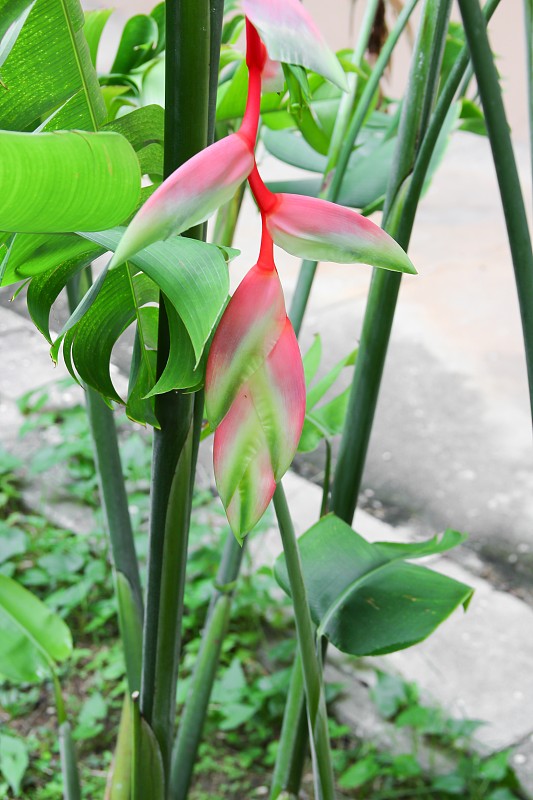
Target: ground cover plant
column 91, row 164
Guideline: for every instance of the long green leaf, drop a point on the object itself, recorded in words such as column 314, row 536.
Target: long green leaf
column 84, row 181
column 33, row 638
column 49, row 65
column 395, row 603
column 193, row 276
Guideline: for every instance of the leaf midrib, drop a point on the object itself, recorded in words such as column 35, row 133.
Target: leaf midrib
column 85, row 86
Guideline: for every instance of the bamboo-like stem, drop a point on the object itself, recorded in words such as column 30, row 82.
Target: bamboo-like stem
column 293, row 739
column 383, row 295
column 338, row 159
column 187, row 90
column 311, row 669
column 116, row 512
column 194, row 713
column 528, row 18
column 506, row 171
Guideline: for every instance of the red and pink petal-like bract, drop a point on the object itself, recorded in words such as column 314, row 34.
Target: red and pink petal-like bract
column 189, row 196
column 292, row 36
column 255, row 394
column 319, row 230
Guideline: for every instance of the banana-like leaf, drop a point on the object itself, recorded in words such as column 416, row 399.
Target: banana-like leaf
column 34, row 639
column 291, row 36
column 193, row 276
column 95, row 22
column 9, row 35
column 368, row 599
column 137, row 44
column 49, row 67
column 194, row 279
column 68, row 181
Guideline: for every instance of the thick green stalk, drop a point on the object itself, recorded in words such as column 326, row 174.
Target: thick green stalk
column 116, row 513
column 195, row 711
column 385, row 285
column 528, row 18
column 186, row 133
column 506, row 171
column 67, row 751
column 312, row 673
column 337, row 164
column 293, row 739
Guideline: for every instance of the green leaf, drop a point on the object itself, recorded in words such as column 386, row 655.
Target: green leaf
column 360, row 773
column 95, row 22
column 35, row 253
column 193, row 276
column 137, row 44
column 14, row 760
column 148, row 773
column 49, row 65
column 92, row 339
column 364, row 597
column 33, row 638
column 85, row 181
column 8, row 39
column 12, row 542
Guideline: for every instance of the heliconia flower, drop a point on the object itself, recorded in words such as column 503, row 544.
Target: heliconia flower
column 189, row 196
column 255, row 394
column 316, row 229
column 291, row 36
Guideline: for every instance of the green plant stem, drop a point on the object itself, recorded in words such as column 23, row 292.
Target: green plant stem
column 195, row 711
column 336, row 169
column 506, row 171
column 293, row 739
column 115, row 504
column 528, row 18
column 385, row 286
column 187, row 87
column 67, row 751
column 312, row 674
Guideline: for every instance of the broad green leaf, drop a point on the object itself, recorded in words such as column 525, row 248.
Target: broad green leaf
column 144, row 129
column 95, row 22
column 365, row 598
column 364, row 181
column 49, row 64
column 193, row 276
column 92, row 339
column 14, row 761
column 137, row 44
column 8, row 39
column 85, row 181
column 143, row 369
column 44, row 289
column 33, row 638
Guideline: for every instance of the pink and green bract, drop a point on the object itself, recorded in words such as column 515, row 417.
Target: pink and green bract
column 189, row 196
column 255, row 389
column 255, row 397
